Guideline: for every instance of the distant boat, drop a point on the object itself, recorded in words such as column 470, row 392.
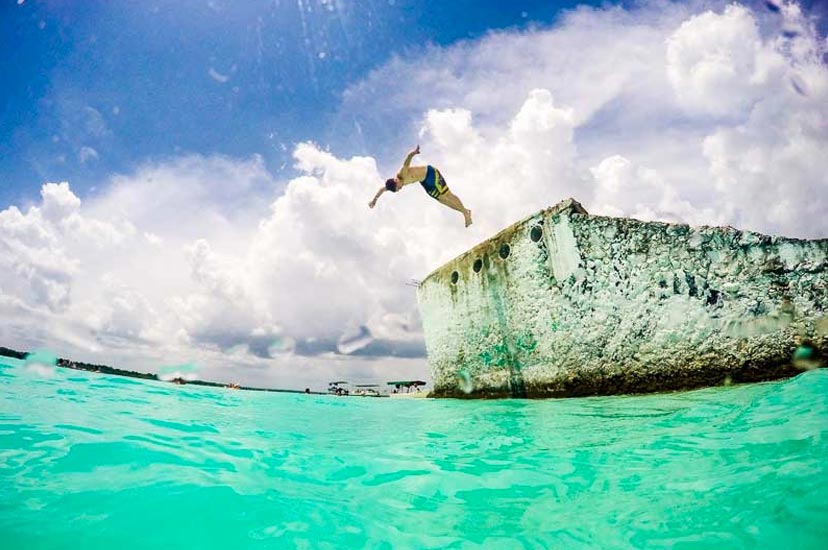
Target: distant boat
column 367, row 390
column 408, row 389
column 422, row 394
column 564, row 303
column 338, row 387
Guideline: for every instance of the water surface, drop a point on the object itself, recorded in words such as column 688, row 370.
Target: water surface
column 95, row 461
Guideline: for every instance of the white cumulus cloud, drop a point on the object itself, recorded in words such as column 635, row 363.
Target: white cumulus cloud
column 717, row 62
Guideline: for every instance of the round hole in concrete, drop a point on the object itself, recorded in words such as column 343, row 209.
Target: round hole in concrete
column 454, row 277
column 505, row 250
column 478, row 265
column 536, row 233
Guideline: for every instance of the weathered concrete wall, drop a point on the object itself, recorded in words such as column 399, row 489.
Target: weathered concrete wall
column 589, row 305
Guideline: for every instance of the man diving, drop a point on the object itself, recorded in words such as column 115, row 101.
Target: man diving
column 432, row 181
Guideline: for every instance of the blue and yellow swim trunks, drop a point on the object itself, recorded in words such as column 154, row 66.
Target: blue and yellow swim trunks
column 434, row 184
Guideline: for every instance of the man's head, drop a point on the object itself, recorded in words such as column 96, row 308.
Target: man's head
column 392, row 184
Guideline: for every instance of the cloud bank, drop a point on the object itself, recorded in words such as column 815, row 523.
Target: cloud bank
column 705, row 114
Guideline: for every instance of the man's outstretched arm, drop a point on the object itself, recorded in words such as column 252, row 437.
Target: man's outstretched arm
column 407, row 162
column 374, row 200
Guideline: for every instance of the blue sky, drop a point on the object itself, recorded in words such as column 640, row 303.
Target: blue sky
column 96, row 88
column 188, row 182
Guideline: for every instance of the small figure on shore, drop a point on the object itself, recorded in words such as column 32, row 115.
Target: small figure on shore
column 432, row 181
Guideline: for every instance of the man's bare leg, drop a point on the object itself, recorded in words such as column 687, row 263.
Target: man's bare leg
column 453, row 201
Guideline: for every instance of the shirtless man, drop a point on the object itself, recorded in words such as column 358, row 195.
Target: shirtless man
column 432, row 181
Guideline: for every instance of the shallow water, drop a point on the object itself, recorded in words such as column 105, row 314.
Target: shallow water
column 90, row 461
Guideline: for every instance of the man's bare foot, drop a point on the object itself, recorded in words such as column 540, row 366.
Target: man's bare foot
column 467, row 216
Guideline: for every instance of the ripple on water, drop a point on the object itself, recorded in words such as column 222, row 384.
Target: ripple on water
column 186, row 427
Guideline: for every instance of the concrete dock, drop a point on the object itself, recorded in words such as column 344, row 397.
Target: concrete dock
column 564, row 303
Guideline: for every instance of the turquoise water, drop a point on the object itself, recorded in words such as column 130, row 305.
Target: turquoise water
column 92, row 461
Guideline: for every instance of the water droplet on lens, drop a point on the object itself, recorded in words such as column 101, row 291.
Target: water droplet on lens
column 464, row 382
column 806, row 357
column 41, row 357
column 41, row 363
column 799, row 85
column 281, row 345
column 354, row 340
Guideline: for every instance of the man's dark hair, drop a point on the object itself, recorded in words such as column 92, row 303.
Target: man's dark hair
column 391, row 185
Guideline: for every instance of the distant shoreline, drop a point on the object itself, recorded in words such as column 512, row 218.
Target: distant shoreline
column 104, row 369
